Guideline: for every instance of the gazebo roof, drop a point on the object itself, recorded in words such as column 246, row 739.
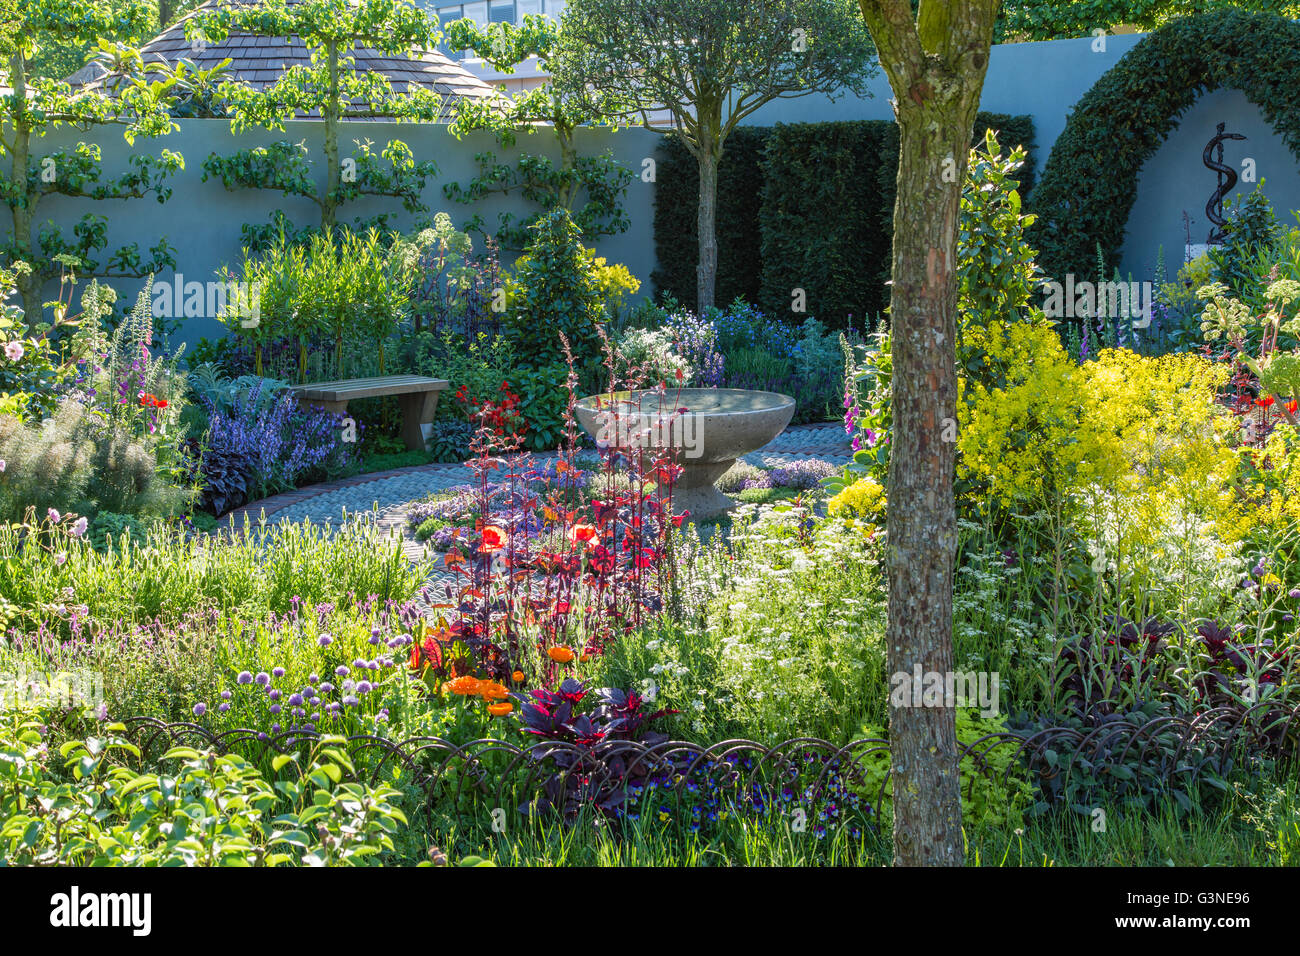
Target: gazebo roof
column 260, row 60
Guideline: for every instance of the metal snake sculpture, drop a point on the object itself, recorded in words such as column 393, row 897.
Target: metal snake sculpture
column 1227, row 179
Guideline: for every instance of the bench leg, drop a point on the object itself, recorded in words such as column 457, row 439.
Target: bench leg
column 338, row 408
column 418, row 409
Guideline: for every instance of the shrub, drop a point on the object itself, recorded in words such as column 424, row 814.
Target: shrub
column 865, row 498
column 556, row 289
column 202, row 810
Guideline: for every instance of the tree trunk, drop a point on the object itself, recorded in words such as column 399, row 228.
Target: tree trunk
column 707, row 271
column 936, row 65
column 568, row 166
column 922, row 524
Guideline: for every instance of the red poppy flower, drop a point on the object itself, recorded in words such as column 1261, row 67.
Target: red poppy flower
column 582, row 533
column 494, row 539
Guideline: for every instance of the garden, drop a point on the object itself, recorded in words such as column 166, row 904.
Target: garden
column 838, row 540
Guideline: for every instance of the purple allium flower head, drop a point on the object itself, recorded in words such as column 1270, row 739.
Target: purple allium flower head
column 263, row 678
column 341, row 671
column 200, row 709
column 277, row 672
column 244, row 678
column 324, row 640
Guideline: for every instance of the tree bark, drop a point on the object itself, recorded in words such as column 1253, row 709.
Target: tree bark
column 936, row 67
column 706, row 271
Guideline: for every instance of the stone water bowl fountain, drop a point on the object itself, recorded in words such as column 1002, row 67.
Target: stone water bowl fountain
column 717, row 427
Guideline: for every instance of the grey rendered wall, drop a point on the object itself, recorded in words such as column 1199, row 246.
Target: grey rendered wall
column 202, row 220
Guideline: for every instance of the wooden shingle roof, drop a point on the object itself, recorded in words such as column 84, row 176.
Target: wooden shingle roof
column 260, row 60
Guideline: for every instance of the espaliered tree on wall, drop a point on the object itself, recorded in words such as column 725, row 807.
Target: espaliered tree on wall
column 710, row 63
column 331, row 88
column 1079, row 210
column 936, row 61
column 38, row 105
column 600, row 180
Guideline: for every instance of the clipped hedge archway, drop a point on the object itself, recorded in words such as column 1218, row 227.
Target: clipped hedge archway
column 1089, row 182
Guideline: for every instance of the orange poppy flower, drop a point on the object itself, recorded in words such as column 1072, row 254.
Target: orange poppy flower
column 517, row 677
column 561, row 655
column 500, row 710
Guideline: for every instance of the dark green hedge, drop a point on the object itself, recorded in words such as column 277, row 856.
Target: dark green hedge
column 1089, row 182
column 677, row 197
column 827, row 214
column 800, row 205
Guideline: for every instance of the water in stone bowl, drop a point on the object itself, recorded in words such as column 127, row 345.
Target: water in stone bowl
column 717, row 426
